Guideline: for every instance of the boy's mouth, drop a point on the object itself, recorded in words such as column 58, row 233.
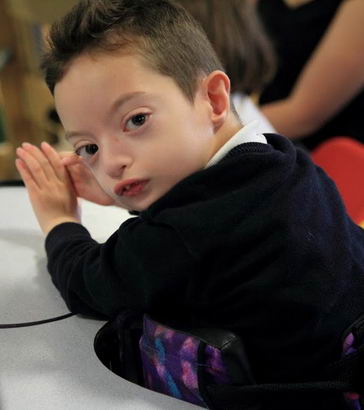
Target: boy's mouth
column 130, row 187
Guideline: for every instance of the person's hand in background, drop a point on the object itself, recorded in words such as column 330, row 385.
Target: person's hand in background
column 331, row 78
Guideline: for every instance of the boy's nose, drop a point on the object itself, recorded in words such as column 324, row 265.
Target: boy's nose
column 115, row 163
column 115, row 166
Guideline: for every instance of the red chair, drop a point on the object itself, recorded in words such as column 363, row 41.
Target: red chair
column 361, row 220
column 342, row 158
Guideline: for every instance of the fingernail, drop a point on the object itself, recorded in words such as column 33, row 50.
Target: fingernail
column 26, row 145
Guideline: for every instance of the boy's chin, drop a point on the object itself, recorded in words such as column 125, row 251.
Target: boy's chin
column 136, row 209
column 140, row 204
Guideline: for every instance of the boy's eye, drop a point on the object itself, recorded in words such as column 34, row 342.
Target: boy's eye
column 136, row 121
column 87, row 150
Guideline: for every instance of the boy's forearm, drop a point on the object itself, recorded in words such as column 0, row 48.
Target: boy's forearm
column 69, row 248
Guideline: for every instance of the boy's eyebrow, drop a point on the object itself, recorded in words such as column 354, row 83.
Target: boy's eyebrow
column 114, row 106
column 72, row 134
column 124, row 99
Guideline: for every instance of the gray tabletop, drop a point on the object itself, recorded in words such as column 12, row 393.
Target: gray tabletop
column 53, row 366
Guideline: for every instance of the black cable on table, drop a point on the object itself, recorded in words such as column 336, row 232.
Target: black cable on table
column 36, row 323
column 10, row 183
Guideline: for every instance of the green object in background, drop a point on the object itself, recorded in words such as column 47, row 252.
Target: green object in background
column 5, row 55
column 2, row 127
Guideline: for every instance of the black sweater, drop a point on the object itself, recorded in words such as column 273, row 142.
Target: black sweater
column 259, row 244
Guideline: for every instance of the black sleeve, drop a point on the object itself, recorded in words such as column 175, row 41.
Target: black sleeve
column 139, row 267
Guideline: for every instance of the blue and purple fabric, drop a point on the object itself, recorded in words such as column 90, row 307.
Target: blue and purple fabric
column 171, row 366
column 170, row 362
column 351, row 398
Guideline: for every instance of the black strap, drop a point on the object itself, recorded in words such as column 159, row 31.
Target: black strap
column 129, row 325
column 345, row 375
column 36, row 323
column 116, row 344
column 15, row 183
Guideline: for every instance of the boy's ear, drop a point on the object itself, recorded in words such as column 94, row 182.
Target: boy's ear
column 217, row 90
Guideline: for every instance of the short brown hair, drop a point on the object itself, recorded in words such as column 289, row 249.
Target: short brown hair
column 167, row 38
column 239, row 40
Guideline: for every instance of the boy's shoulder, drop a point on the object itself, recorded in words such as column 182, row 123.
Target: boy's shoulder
column 248, row 173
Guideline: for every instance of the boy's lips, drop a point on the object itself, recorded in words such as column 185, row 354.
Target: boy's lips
column 130, row 187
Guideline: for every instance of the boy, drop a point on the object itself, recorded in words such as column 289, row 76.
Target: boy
column 234, row 230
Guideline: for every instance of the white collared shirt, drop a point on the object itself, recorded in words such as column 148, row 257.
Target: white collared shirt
column 247, row 133
column 249, row 112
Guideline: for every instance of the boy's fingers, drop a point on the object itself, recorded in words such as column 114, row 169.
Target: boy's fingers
column 71, row 159
column 59, row 167
column 41, row 159
column 55, row 160
column 34, row 167
column 65, row 154
column 76, row 168
column 25, row 174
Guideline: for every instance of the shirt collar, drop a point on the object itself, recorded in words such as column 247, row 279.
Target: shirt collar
column 248, row 133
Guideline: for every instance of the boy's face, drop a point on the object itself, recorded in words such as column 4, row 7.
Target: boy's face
column 135, row 128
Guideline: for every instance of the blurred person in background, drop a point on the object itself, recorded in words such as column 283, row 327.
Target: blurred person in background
column 235, row 32
column 318, row 89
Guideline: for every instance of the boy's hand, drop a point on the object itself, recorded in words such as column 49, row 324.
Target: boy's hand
column 49, row 186
column 83, row 180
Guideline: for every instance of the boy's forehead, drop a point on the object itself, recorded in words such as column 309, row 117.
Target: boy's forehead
column 120, row 65
column 104, row 69
column 120, row 71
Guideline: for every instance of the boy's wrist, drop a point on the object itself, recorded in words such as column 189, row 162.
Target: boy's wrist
column 46, row 228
